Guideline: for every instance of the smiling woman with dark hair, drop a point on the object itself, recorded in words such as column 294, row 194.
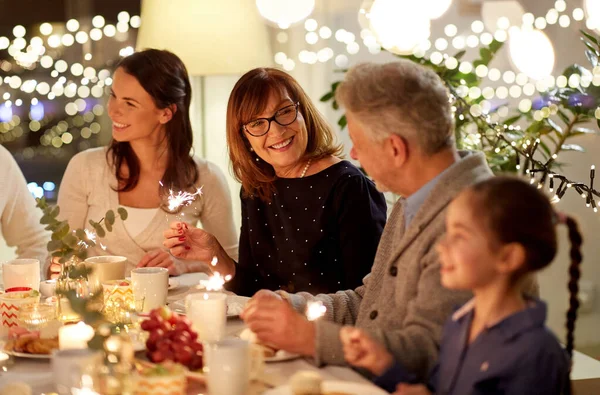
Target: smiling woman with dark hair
column 148, row 155
column 310, row 221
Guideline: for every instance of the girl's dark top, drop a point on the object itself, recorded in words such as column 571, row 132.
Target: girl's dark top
column 318, row 234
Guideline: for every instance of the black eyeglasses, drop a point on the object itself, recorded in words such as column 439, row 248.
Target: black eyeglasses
column 284, row 116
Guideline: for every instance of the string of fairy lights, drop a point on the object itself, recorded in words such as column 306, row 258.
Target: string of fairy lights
column 89, row 82
column 78, row 82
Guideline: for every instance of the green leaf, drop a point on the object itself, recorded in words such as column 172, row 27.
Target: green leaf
column 61, row 231
column 109, row 217
column 486, row 55
column 70, row 240
column 326, row 97
column 554, row 126
column 99, row 230
column 108, row 226
column 122, row 213
column 564, row 117
column 335, row 105
column 342, row 122
column 495, row 45
column 46, row 219
column 580, row 130
column 572, row 147
column 588, row 45
column 54, row 245
column 512, row 120
column 592, row 57
column 55, row 211
column 81, row 234
column 589, row 37
column 335, row 85
column 460, row 54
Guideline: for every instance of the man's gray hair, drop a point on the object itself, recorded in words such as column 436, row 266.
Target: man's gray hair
column 400, row 97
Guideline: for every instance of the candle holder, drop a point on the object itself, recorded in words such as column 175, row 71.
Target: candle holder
column 37, row 316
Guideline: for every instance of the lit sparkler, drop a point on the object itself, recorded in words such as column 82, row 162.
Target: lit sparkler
column 315, row 310
column 215, row 282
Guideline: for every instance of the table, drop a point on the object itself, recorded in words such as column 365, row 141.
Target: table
column 586, row 370
column 37, row 373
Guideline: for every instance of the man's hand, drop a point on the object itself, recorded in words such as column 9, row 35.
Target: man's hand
column 277, row 324
column 362, row 351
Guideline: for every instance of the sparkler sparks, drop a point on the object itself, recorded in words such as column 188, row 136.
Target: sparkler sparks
column 215, row 282
column 181, row 198
column 315, row 310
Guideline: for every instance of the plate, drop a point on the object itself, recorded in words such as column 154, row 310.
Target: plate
column 235, row 305
column 339, row 387
column 282, row 356
column 173, row 284
column 26, row 355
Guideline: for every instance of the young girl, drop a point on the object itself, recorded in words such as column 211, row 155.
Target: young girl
column 498, row 231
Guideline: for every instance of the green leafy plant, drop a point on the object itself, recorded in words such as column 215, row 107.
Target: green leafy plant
column 552, row 120
column 67, row 242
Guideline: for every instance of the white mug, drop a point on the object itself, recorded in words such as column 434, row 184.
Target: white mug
column 230, row 364
column 21, row 273
column 106, row 268
column 69, row 366
column 208, row 313
column 150, row 284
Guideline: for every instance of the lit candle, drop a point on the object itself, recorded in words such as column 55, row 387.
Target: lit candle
column 315, row 310
column 74, row 336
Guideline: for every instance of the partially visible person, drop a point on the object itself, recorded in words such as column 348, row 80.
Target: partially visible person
column 19, row 217
column 498, row 231
column 148, row 156
column 401, row 126
column 310, row 221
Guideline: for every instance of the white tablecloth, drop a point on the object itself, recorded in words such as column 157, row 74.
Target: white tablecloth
column 37, row 373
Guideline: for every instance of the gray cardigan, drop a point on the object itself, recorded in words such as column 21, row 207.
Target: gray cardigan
column 401, row 302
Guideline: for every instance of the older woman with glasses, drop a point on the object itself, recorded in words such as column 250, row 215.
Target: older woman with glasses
column 310, row 220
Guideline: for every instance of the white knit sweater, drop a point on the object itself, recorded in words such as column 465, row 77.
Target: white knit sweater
column 86, row 192
column 20, row 219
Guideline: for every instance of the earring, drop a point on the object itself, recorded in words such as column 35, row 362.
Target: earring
column 251, row 149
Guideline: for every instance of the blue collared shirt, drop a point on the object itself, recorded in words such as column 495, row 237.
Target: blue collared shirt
column 415, row 201
column 517, row 355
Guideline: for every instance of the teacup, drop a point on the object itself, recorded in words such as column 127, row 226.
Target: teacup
column 106, row 268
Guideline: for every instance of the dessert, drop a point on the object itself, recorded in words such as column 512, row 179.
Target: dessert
column 249, row 336
column 167, row 378
column 306, row 382
column 29, row 342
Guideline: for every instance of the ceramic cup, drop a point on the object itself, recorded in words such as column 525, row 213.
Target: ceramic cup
column 68, row 367
column 106, row 268
column 150, row 284
column 21, row 273
column 230, row 364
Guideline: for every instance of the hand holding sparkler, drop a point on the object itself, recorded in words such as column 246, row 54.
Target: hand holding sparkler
column 192, row 244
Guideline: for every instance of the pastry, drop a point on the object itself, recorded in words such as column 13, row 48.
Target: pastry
column 249, row 336
column 306, row 382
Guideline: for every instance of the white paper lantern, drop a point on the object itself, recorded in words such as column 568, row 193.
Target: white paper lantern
column 532, row 53
column 285, row 13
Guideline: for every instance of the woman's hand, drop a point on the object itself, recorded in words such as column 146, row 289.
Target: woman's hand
column 362, row 351
column 190, row 243
column 160, row 258
column 54, row 268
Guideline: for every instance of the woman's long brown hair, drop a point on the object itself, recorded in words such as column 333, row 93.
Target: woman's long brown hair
column 164, row 76
column 248, row 99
